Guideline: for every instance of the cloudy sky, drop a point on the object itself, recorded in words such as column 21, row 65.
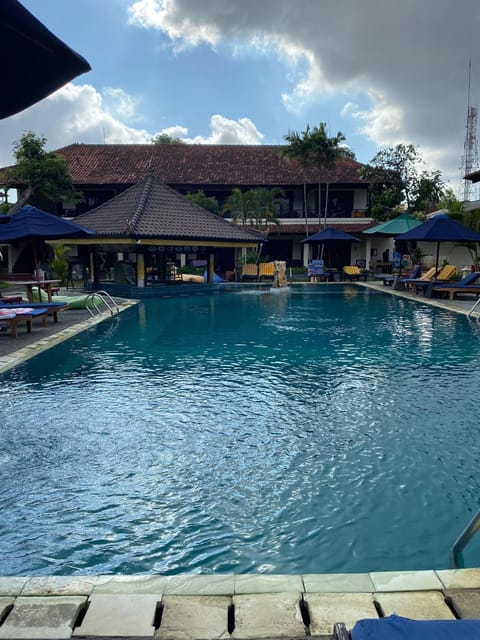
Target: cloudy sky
column 248, row 71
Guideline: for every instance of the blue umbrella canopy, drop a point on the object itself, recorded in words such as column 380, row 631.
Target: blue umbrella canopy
column 439, row 229
column 329, row 234
column 32, row 223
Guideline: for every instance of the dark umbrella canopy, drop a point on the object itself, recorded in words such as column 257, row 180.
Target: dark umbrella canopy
column 32, row 223
column 329, row 234
column 37, row 62
column 439, row 229
column 329, row 237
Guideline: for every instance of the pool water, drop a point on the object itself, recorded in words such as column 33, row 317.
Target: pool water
column 331, row 428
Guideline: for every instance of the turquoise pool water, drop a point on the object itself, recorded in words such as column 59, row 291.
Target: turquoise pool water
column 328, row 429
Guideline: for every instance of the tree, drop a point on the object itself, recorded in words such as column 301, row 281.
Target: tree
column 255, row 206
column 325, row 152
column 164, row 138
column 207, row 202
column 396, row 179
column 314, row 148
column 471, row 219
column 239, row 204
column 298, row 148
column 45, row 173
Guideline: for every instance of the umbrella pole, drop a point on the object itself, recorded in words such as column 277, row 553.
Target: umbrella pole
column 436, row 261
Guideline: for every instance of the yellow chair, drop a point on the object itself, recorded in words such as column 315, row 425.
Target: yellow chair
column 444, row 275
column 353, row 273
column 266, row 270
column 249, row 271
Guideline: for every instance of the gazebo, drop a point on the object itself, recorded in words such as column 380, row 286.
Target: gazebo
column 152, row 230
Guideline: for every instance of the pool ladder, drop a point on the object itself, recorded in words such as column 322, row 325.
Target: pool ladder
column 456, row 558
column 475, row 305
column 98, row 301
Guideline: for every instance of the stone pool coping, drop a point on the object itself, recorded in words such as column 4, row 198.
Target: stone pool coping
column 36, row 347
column 247, row 606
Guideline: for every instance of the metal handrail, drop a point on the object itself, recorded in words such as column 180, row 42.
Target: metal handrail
column 477, row 302
column 107, row 300
column 456, row 557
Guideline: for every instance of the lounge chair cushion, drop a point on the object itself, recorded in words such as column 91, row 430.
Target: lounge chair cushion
column 398, row 628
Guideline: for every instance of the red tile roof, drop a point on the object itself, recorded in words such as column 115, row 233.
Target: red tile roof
column 196, row 165
column 150, row 209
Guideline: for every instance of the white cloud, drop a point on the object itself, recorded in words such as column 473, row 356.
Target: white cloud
column 118, row 102
column 409, row 58
column 225, row 131
column 79, row 113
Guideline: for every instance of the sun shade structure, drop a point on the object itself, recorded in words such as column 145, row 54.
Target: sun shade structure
column 39, row 63
column 328, row 235
column 154, row 213
column 401, row 224
column 32, row 223
column 439, row 229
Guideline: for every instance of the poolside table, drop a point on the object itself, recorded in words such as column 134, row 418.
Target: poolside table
column 46, row 285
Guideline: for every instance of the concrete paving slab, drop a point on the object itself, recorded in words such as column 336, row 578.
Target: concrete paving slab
column 42, row 617
column 405, row 581
column 59, row 585
column 326, row 609
column 460, row 578
column 195, row 585
column 121, row 615
column 130, row 584
column 268, row 616
column 12, row 585
column 5, row 603
column 263, row 583
column 194, row 617
column 418, row 605
column 466, row 602
column 338, row 583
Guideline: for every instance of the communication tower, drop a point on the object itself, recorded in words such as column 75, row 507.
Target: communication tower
column 470, row 149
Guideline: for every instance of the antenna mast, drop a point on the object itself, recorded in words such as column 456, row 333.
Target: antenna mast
column 470, row 149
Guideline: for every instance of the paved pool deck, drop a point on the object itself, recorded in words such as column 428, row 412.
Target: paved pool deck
column 253, row 606
column 200, row 607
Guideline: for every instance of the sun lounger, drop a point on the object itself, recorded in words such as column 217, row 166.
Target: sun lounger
column 266, row 270
column 10, row 298
column 398, row 628
column 353, row 273
column 444, row 275
column 466, row 285
column 52, row 308
column 14, row 315
column 249, row 271
column 413, row 275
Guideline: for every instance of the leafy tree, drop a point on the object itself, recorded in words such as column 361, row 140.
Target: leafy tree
column 45, row 173
column 397, row 179
column 299, row 148
column 207, row 202
column 314, row 148
column 239, row 205
column 164, row 138
column 255, row 206
column 470, row 219
column 325, row 152
column 265, row 204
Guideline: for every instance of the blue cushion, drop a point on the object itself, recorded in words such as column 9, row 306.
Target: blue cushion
column 397, row 628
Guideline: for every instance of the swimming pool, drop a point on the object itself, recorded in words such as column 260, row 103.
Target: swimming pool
column 331, row 428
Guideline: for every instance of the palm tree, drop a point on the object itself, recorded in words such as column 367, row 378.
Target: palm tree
column 299, row 148
column 313, row 148
column 324, row 153
column 265, row 203
column 239, row 204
